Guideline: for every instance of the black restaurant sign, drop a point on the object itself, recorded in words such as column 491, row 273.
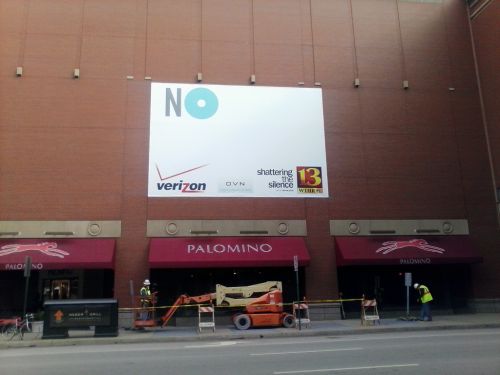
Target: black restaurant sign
column 60, row 316
column 81, row 314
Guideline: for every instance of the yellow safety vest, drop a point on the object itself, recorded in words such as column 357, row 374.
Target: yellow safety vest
column 145, row 292
column 426, row 295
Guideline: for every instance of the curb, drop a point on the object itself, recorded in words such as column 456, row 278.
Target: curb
column 150, row 337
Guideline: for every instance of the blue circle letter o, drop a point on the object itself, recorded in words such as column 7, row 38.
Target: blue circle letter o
column 201, row 103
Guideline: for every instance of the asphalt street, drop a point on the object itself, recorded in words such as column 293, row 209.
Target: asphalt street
column 471, row 351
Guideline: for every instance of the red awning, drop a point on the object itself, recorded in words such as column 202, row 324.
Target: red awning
column 53, row 254
column 219, row 252
column 406, row 250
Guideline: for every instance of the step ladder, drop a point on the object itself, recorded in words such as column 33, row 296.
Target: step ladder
column 206, row 317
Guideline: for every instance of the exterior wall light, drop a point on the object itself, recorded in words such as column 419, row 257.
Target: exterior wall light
column 283, row 228
column 171, row 228
column 94, row 229
column 354, row 228
column 448, row 227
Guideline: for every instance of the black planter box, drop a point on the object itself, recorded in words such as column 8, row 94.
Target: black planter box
column 63, row 315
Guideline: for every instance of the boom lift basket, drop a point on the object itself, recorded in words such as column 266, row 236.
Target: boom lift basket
column 145, row 312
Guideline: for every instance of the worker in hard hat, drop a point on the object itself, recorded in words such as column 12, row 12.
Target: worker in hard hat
column 425, row 298
column 145, row 293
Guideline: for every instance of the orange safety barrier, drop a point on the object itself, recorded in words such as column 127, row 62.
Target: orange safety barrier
column 210, row 323
column 369, row 311
column 305, row 319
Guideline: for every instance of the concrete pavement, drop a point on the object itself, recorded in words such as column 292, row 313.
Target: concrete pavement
column 227, row 332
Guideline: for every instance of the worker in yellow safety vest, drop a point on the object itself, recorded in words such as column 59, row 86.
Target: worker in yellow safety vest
column 145, row 293
column 425, row 298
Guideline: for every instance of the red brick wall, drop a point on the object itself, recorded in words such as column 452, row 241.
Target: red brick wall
column 77, row 149
column 487, row 43
column 487, row 47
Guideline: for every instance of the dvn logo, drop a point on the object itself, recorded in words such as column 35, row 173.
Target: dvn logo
column 309, row 180
column 200, row 103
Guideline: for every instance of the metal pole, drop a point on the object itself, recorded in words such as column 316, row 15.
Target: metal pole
column 25, row 296
column 298, row 297
column 132, row 293
column 27, row 273
column 296, row 269
column 407, row 301
column 408, row 285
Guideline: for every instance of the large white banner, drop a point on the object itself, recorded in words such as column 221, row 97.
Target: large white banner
column 236, row 141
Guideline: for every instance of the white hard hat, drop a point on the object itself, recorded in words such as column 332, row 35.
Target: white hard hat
column 415, row 285
column 146, row 282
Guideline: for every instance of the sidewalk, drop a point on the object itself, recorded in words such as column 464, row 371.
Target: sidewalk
column 319, row 328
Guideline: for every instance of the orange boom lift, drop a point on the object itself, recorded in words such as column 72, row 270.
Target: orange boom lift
column 262, row 305
column 265, row 311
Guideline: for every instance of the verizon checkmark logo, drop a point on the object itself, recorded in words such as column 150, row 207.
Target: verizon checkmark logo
column 163, row 178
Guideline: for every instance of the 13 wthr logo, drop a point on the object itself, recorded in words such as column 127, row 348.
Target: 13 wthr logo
column 309, row 180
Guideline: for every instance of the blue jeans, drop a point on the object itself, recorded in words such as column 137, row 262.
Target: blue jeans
column 425, row 311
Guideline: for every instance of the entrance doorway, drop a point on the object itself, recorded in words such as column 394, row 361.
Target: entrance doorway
column 171, row 283
column 60, row 289
column 449, row 285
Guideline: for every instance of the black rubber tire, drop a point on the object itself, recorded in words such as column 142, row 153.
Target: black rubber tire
column 9, row 330
column 288, row 321
column 242, row 321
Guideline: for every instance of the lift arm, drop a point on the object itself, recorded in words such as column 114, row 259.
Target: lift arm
column 186, row 300
column 244, row 295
